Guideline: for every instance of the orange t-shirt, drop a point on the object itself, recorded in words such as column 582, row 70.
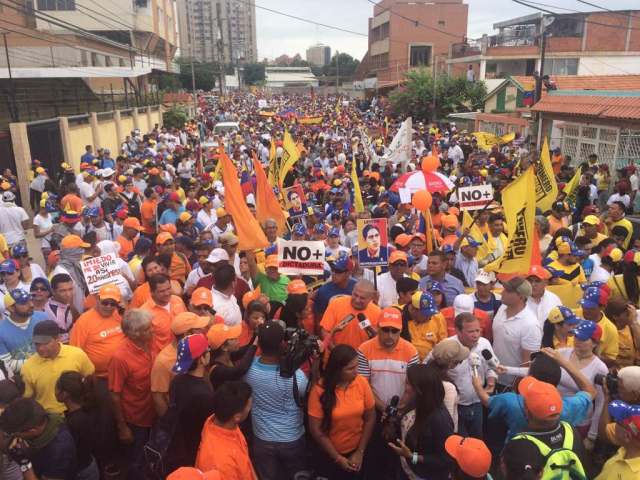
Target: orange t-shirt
column 126, row 246
column 226, row 451
column 148, row 215
column 352, row 334
column 179, row 268
column 162, row 318
column 142, row 294
column 347, row 420
column 161, row 372
column 555, row 224
column 99, row 337
column 71, row 202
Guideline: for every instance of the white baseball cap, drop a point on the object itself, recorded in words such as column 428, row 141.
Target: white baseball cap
column 217, row 255
column 485, row 277
column 463, row 304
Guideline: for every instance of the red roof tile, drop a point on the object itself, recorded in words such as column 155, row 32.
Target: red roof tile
column 627, row 108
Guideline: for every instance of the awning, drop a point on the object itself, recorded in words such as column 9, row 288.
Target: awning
column 74, row 72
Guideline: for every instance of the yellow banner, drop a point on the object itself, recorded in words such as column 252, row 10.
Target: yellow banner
column 571, row 188
column 487, row 140
column 267, row 114
column 519, row 203
column 546, row 186
column 357, row 193
column 289, row 158
column 310, row 120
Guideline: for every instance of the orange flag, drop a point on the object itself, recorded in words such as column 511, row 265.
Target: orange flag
column 250, row 235
column 267, row 205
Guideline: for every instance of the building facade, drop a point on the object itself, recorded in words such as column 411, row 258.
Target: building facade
column 406, row 35
column 319, row 55
column 218, row 30
column 590, row 43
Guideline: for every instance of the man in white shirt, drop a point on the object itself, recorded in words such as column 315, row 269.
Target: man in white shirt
column 89, row 195
column 455, row 153
column 516, row 330
column 469, row 334
column 541, row 300
column 398, row 265
column 13, row 220
column 224, row 301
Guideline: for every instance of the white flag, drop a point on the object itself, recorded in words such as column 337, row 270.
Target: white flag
column 400, row 147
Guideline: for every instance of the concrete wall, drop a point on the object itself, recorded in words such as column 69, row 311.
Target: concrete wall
column 105, row 130
column 609, row 65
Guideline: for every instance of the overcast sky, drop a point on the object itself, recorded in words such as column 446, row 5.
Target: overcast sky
column 279, row 35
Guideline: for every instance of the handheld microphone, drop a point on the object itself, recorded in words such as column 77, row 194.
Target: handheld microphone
column 392, row 408
column 345, row 321
column 365, row 325
column 474, row 361
column 491, row 359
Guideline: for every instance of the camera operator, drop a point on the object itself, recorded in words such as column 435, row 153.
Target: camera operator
column 469, row 334
column 384, row 360
column 625, row 387
column 279, row 448
column 294, row 313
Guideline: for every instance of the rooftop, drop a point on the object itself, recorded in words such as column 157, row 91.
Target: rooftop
column 603, row 107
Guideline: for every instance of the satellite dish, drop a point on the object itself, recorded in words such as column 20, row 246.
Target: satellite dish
column 546, row 21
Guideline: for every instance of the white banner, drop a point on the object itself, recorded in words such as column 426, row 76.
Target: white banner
column 400, row 146
column 101, row 271
column 475, row 197
column 300, row 258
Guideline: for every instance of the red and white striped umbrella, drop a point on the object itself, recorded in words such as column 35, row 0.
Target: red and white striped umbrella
column 419, row 180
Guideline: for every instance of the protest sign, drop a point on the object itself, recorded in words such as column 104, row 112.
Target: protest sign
column 475, row 197
column 373, row 242
column 262, row 103
column 300, row 258
column 101, row 271
column 295, row 201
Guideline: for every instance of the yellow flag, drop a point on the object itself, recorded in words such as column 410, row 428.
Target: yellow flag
column 357, row 194
column 519, row 202
column 474, row 231
column 571, row 188
column 273, row 163
column 289, row 158
column 487, row 140
column 546, row 186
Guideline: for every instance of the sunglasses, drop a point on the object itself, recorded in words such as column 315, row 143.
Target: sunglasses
column 390, row 330
column 109, row 303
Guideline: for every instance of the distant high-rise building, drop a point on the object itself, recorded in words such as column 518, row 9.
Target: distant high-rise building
column 214, row 30
column 319, row 55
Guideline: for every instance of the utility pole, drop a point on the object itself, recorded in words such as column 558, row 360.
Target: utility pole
column 193, row 70
column 435, row 85
column 337, row 71
column 544, row 23
column 12, row 92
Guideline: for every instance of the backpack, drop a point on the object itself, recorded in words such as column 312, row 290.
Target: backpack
column 560, row 463
column 160, row 438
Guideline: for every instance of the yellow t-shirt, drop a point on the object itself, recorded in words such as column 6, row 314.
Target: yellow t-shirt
column 618, row 467
column 616, row 284
column 627, row 351
column 425, row 336
column 571, row 273
column 567, row 344
column 4, row 247
column 41, row 374
column 609, row 343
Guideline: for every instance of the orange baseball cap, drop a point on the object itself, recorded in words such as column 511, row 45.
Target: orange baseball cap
column 250, row 296
column 390, row 317
column 185, row 321
column 419, row 236
column 220, row 333
column 539, row 272
column 449, row 221
column 297, row 287
column 541, row 399
column 472, row 455
column 133, row 222
column 271, row 261
column 403, row 239
column 397, row 256
column 185, row 217
column 110, row 292
column 202, row 296
column 163, row 237
column 191, row 473
column 170, row 228
column 73, row 241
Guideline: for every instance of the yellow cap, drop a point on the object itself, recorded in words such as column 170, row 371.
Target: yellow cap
column 185, row 217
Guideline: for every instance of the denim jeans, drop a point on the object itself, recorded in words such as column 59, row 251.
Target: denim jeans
column 90, row 472
column 470, row 420
column 135, row 452
column 279, row 460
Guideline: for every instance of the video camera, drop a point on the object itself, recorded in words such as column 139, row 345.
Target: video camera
column 300, row 347
column 610, row 380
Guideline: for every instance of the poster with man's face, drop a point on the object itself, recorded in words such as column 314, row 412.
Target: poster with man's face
column 295, row 201
column 372, row 242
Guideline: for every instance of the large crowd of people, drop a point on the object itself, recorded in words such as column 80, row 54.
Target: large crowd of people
column 149, row 344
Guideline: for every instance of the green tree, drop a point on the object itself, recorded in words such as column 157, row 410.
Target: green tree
column 169, row 82
column 205, row 74
column 175, row 117
column 342, row 63
column 453, row 94
column 254, row 73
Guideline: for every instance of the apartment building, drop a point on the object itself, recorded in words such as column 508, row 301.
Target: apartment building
column 319, row 55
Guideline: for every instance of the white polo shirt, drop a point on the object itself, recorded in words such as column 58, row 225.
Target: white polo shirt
column 227, row 307
column 387, row 290
column 513, row 335
column 542, row 308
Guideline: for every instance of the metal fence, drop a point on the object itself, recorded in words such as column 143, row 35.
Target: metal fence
column 628, row 148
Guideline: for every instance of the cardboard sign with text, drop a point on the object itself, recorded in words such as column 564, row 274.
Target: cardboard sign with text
column 300, row 258
column 475, row 197
column 101, row 271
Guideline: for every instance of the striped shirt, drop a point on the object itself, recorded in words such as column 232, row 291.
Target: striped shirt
column 386, row 370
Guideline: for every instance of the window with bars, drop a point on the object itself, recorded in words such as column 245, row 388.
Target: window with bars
column 420, row 55
column 56, row 5
column 580, row 141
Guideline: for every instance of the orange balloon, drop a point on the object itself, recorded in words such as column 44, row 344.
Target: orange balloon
column 430, row 163
column 422, row 200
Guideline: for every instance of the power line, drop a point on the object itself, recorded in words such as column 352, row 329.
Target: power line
column 627, row 15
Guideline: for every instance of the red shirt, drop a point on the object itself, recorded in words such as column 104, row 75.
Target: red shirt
column 485, row 324
column 130, row 376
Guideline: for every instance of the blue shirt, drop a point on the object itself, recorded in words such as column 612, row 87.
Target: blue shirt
column 170, row 215
column 275, row 416
column 510, row 407
column 451, row 285
column 108, row 163
column 15, row 342
column 329, row 290
column 87, row 158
